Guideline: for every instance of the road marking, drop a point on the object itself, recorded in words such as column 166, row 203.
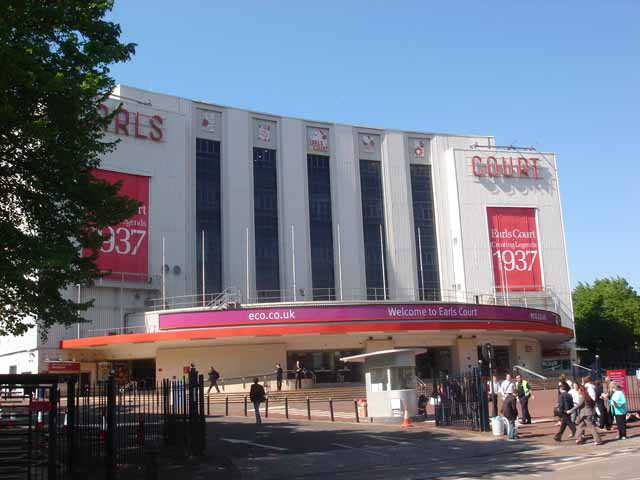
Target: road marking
column 247, row 442
column 390, row 440
column 584, row 462
column 342, row 445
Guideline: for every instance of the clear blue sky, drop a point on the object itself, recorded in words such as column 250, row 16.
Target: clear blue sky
column 562, row 76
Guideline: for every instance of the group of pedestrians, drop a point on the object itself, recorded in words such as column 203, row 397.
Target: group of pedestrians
column 588, row 406
column 512, row 393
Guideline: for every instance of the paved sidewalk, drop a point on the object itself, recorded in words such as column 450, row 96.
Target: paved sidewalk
column 303, row 449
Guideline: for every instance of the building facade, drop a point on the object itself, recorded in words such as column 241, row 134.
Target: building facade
column 265, row 239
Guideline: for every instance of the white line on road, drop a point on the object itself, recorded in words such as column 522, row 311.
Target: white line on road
column 247, row 442
column 584, row 462
column 390, row 440
column 342, row 445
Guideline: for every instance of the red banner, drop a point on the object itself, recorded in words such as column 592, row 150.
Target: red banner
column 620, row 377
column 126, row 252
column 513, row 236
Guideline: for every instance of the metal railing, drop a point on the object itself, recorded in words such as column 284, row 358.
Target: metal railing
column 545, row 299
column 264, row 377
column 230, row 297
column 530, row 372
column 103, row 332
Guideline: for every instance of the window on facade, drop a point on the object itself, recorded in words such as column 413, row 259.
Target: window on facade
column 208, row 215
column 372, row 223
column 425, row 233
column 321, row 227
column 265, row 197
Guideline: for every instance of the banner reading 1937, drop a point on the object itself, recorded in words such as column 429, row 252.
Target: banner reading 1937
column 126, row 252
column 515, row 253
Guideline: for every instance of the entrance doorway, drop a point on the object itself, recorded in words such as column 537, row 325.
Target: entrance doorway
column 501, row 362
column 326, row 365
column 141, row 372
column 435, row 363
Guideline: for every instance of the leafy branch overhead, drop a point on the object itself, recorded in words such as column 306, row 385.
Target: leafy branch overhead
column 56, row 58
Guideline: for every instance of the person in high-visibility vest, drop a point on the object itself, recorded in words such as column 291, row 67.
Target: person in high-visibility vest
column 524, row 392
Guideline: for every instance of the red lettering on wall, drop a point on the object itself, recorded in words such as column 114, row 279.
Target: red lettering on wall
column 534, row 167
column 475, row 161
column 122, row 122
column 137, row 126
column 155, row 123
column 492, row 166
column 523, row 167
column 504, row 167
column 508, row 167
column 104, row 109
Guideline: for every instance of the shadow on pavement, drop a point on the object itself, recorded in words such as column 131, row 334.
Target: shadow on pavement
column 238, row 448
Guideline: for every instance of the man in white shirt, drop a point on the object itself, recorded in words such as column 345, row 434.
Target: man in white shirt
column 507, row 387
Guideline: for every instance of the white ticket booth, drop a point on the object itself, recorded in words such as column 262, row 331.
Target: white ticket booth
column 391, row 381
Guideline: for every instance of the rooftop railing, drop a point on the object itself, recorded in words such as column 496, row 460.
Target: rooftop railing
column 232, row 298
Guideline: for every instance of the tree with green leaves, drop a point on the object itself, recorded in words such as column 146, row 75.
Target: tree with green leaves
column 607, row 316
column 55, row 58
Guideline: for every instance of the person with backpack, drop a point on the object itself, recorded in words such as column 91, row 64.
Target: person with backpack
column 213, row 380
column 257, row 395
column 586, row 410
column 524, row 393
column 565, row 404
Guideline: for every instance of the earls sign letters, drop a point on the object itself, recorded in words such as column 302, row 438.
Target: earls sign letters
column 135, row 124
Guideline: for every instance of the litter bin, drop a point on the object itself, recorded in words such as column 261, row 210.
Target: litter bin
column 362, row 408
column 497, row 426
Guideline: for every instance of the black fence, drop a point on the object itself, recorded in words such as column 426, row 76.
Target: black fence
column 52, row 429
column 461, row 400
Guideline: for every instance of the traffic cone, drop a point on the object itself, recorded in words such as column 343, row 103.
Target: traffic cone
column 65, row 425
column 406, row 422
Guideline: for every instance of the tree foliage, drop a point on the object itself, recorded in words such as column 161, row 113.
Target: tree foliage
column 607, row 316
column 55, row 58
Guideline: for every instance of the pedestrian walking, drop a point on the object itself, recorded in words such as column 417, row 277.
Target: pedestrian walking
column 509, row 405
column 524, row 393
column 618, row 404
column 602, row 404
column 565, row 405
column 562, row 380
column 257, row 395
column 214, row 376
column 279, row 376
column 585, row 409
column 510, row 411
column 590, row 388
column 299, row 374
column 575, row 396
